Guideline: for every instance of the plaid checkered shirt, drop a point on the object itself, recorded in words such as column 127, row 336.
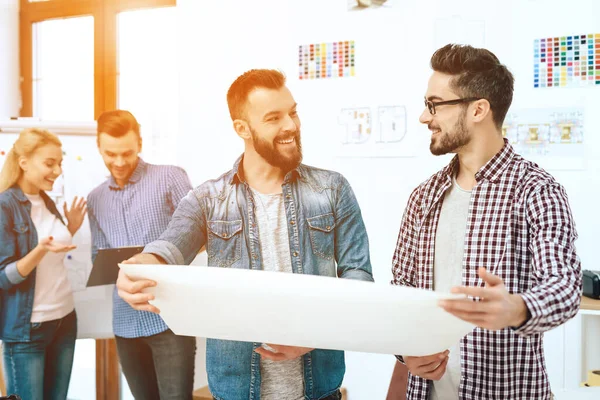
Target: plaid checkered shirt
column 520, row 228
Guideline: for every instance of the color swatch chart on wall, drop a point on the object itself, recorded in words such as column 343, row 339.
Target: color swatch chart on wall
column 326, row 60
column 567, row 61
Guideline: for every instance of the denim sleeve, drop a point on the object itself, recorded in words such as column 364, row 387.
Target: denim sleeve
column 351, row 241
column 99, row 241
column 9, row 275
column 179, row 186
column 185, row 234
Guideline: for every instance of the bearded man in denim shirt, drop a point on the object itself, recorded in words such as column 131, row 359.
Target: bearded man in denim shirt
column 270, row 212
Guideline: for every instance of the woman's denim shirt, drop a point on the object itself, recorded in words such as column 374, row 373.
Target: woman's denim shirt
column 17, row 238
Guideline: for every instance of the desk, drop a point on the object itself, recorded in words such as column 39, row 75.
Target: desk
column 588, row 304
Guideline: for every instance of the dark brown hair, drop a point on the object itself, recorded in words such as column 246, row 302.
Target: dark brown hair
column 477, row 73
column 238, row 92
column 118, row 123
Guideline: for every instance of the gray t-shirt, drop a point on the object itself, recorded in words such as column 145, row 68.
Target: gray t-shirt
column 281, row 380
column 447, row 272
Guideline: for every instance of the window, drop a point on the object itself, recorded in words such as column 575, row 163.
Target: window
column 63, row 69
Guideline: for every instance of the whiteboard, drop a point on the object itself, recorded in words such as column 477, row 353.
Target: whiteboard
column 83, row 170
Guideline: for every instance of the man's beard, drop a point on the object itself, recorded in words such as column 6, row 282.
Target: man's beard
column 449, row 142
column 268, row 151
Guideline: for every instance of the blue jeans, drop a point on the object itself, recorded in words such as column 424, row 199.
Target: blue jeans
column 159, row 367
column 41, row 369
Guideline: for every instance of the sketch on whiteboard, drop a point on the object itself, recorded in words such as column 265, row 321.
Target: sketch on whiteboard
column 357, row 123
column 392, row 124
column 366, row 132
column 553, row 138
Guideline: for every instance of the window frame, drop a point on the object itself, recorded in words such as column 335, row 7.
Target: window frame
column 105, row 42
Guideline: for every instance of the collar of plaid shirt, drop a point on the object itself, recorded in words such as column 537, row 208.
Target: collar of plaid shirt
column 491, row 171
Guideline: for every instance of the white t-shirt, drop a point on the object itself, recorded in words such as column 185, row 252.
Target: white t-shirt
column 280, row 380
column 447, row 272
column 53, row 298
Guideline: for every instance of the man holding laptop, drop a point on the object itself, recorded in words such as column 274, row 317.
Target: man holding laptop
column 132, row 208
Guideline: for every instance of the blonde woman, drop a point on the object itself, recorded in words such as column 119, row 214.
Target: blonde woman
column 38, row 325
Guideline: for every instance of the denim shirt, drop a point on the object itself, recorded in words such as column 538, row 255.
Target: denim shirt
column 327, row 237
column 18, row 237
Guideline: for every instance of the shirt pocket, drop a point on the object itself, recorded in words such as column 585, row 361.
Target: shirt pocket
column 21, row 229
column 224, row 242
column 322, row 235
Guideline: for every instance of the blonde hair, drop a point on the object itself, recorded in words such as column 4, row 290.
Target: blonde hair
column 27, row 143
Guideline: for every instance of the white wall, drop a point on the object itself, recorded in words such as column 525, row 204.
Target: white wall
column 393, row 47
column 10, row 99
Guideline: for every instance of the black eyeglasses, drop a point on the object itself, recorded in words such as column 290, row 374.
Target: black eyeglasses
column 431, row 105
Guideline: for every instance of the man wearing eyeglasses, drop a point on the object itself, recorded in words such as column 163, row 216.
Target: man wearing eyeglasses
column 492, row 226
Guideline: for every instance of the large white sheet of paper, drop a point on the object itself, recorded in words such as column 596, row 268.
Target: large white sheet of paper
column 300, row 310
